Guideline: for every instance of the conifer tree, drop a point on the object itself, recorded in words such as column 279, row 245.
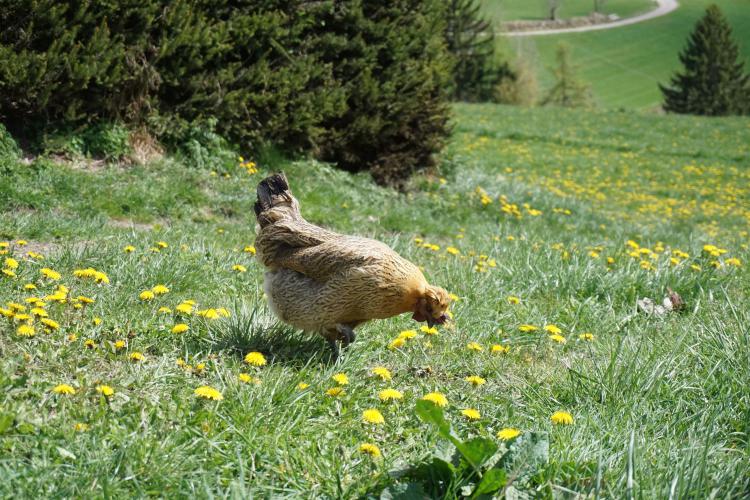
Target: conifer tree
column 713, row 81
column 569, row 90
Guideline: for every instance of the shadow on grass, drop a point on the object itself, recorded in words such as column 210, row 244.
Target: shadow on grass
column 254, row 328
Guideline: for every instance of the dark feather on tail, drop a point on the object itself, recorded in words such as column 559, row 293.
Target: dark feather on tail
column 270, row 190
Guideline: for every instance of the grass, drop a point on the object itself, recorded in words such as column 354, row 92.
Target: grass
column 625, row 65
column 660, row 403
column 512, row 10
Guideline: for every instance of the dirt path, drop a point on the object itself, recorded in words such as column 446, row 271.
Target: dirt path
column 664, row 7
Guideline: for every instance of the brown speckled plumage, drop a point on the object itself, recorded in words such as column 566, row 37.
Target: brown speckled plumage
column 321, row 281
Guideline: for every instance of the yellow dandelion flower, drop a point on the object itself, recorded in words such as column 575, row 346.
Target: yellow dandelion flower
column 223, row 312
column 474, row 346
column 50, row 274
column 407, row 334
column 246, row 378
column 249, row 249
column 208, row 313
column 9, row 273
column 120, row 344
column 89, row 344
column 340, row 378
column 137, row 356
column 129, row 249
column 382, row 372
column 428, row 330
column 437, row 398
column 335, row 391
column 8, row 313
column 528, row 328
column 162, row 244
column 72, row 337
column 11, row 263
column 552, row 329
column 453, row 250
column 29, row 286
column 558, row 338
column 561, row 418
column 184, row 308
column 105, row 390
column 499, row 349
column 370, row 449
column 373, row 416
column 508, row 433
column 512, row 299
column 207, row 392
column 160, row 290
column 164, row 310
column 146, row 295
column 26, row 331
column 302, row 386
column 255, row 359
column 96, row 321
column 15, row 306
column 390, row 395
column 475, row 380
column 50, row 323
column 471, row 414
column 22, row 243
column 63, row 389
column 586, row 336
column 81, row 427
column 39, row 312
column 180, row 328
column 239, row 268
column 397, row 343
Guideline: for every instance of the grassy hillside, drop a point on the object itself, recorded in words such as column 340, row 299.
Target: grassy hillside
column 624, row 65
column 544, row 218
column 511, row 10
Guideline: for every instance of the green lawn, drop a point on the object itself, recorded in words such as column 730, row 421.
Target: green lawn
column 533, row 203
column 625, row 65
column 511, row 10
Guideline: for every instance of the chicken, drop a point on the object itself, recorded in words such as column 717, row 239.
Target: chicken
column 320, row 281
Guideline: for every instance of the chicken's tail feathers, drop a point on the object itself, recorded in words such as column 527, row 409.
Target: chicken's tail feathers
column 273, row 191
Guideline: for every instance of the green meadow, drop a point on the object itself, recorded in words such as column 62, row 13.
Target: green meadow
column 625, row 65
column 547, row 225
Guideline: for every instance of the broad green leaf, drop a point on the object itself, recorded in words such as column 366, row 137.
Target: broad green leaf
column 404, row 491
column 478, row 450
column 491, row 482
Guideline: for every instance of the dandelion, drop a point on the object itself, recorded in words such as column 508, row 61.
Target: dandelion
column 390, row 395
column 160, row 290
column 64, row 389
column 453, row 250
column 561, row 418
column 554, row 330
column 184, row 308
column 50, row 274
column 474, row 346
column 471, row 414
column 96, row 321
column 428, row 330
column 508, row 433
column 499, row 349
column 50, row 323
column 26, row 331
column 437, row 398
column 146, row 295
column 81, row 427
column 475, row 380
column 512, row 299
column 22, row 243
column 89, row 344
column 558, row 338
column 120, row 344
column 239, row 268
column 207, row 392
column 9, row 273
column 382, row 372
column 223, row 312
column 249, row 249
column 105, row 390
column 208, row 313
column 164, row 310
column 407, row 334
column 335, row 391
column 370, row 449
column 180, row 328
column 11, row 263
column 528, row 328
column 85, row 300
column 255, row 359
column 72, row 337
column 373, row 416
column 586, row 336
column 29, row 286
column 129, row 249
column 137, row 356
column 397, row 343
column 162, row 244
column 341, row 379
column 39, row 312
column 302, row 386
column 733, row 261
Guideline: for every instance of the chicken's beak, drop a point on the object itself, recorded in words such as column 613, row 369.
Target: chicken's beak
column 430, row 322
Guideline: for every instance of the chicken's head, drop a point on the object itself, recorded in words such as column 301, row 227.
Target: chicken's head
column 432, row 306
